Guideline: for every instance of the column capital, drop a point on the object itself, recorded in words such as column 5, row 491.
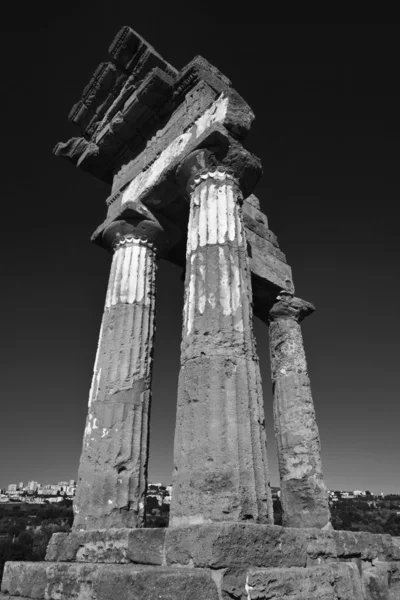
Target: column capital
column 149, row 231
column 233, row 163
column 199, row 166
column 289, row 306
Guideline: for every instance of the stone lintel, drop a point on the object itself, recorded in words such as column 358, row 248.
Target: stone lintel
column 226, row 113
column 156, row 187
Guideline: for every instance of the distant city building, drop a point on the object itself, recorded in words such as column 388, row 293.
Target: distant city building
column 47, row 491
column 32, row 486
column 12, row 488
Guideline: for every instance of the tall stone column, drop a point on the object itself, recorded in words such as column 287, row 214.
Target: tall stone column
column 304, row 495
column 113, row 465
column 220, row 457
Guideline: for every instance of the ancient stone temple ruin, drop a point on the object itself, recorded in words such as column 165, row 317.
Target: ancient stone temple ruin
column 170, row 145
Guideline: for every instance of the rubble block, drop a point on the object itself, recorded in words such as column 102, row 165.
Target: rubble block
column 141, row 546
column 64, row 581
column 381, row 580
column 228, row 545
column 367, row 546
column 396, row 548
column 327, row 582
column 394, row 581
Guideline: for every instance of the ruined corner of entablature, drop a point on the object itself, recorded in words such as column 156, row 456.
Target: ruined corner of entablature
column 239, row 117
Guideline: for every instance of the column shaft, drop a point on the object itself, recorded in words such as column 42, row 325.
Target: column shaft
column 113, row 466
column 304, row 495
column 221, row 470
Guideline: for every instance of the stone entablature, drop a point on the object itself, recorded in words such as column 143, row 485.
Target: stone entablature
column 139, row 118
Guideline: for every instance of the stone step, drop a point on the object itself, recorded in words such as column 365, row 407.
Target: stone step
column 221, row 545
column 64, row 581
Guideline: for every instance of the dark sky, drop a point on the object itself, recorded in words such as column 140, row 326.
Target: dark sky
column 326, row 99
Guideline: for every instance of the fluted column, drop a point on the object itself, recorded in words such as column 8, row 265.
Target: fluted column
column 221, row 471
column 304, row 495
column 113, row 466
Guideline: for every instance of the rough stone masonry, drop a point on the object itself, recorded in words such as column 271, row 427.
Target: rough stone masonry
column 170, row 144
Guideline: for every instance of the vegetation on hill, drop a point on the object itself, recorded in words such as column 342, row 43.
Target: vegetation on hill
column 25, row 529
column 373, row 514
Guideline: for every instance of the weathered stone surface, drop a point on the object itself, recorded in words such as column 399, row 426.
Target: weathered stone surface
column 235, row 560
column 113, row 466
column 197, row 100
column 328, row 582
column 132, row 59
column 64, row 581
column 221, row 470
column 395, row 548
column 26, row 579
column 58, row 546
column 304, row 495
column 227, row 545
column 394, row 581
column 144, row 182
column 257, row 221
column 368, row 546
column 142, row 546
column 263, row 245
column 381, row 580
column 375, row 580
column 163, row 584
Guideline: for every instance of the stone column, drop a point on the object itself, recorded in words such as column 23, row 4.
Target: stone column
column 304, row 495
column 221, row 471
column 113, row 465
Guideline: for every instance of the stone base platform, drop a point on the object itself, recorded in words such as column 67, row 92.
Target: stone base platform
column 226, row 561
